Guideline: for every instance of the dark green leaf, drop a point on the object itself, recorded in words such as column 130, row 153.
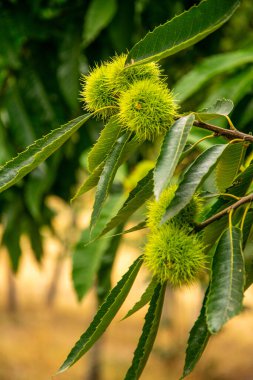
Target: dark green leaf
column 149, row 333
column 98, row 16
column 209, row 68
column 172, row 147
column 182, row 31
column 107, row 176
column 198, row 339
column 145, row 298
column 38, row 152
column 193, row 178
column 104, row 316
column 227, row 283
column 104, row 144
column 11, row 240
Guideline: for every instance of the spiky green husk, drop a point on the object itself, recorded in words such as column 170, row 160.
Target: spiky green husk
column 157, row 209
column 96, row 93
column 147, row 108
column 121, row 77
column 174, row 255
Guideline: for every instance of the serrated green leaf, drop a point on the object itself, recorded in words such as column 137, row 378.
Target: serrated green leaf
column 142, row 192
column 229, row 165
column 107, row 176
column 104, row 316
column 198, row 339
column 182, row 31
column 172, row 147
column 220, row 109
column 103, row 146
column 145, row 298
column 227, row 282
column 193, row 178
column 38, row 152
column 149, row 333
column 209, row 68
column 90, row 182
column 139, row 226
column 98, row 16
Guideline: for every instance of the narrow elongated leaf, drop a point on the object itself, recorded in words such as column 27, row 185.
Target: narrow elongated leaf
column 107, row 176
column 193, row 178
column 182, row 31
column 229, row 165
column 137, row 197
column 38, row 152
column 227, row 283
column 90, row 182
column 145, row 298
column 148, row 335
column 104, row 316
column 172, row 147
column 198, row 339
column 98, row 16
column 209, row 68
column 103, row 146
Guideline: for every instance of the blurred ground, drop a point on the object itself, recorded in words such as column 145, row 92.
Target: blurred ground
column 35, row 340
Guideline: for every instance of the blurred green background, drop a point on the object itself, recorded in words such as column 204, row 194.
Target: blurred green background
column 44, row 48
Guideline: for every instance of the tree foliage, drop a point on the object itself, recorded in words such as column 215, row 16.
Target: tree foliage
column 203, row 154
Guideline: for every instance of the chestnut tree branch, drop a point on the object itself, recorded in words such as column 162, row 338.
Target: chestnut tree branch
column 230, row 134
column 246, row 199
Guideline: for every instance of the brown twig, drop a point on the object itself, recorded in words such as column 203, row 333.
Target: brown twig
column 230, row 134
column 246, row 199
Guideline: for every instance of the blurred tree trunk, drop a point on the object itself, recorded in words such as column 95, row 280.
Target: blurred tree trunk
column 54, row 283
column 12, row 301
column 95, row 359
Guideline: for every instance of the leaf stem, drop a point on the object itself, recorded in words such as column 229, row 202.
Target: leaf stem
column 243, row 200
